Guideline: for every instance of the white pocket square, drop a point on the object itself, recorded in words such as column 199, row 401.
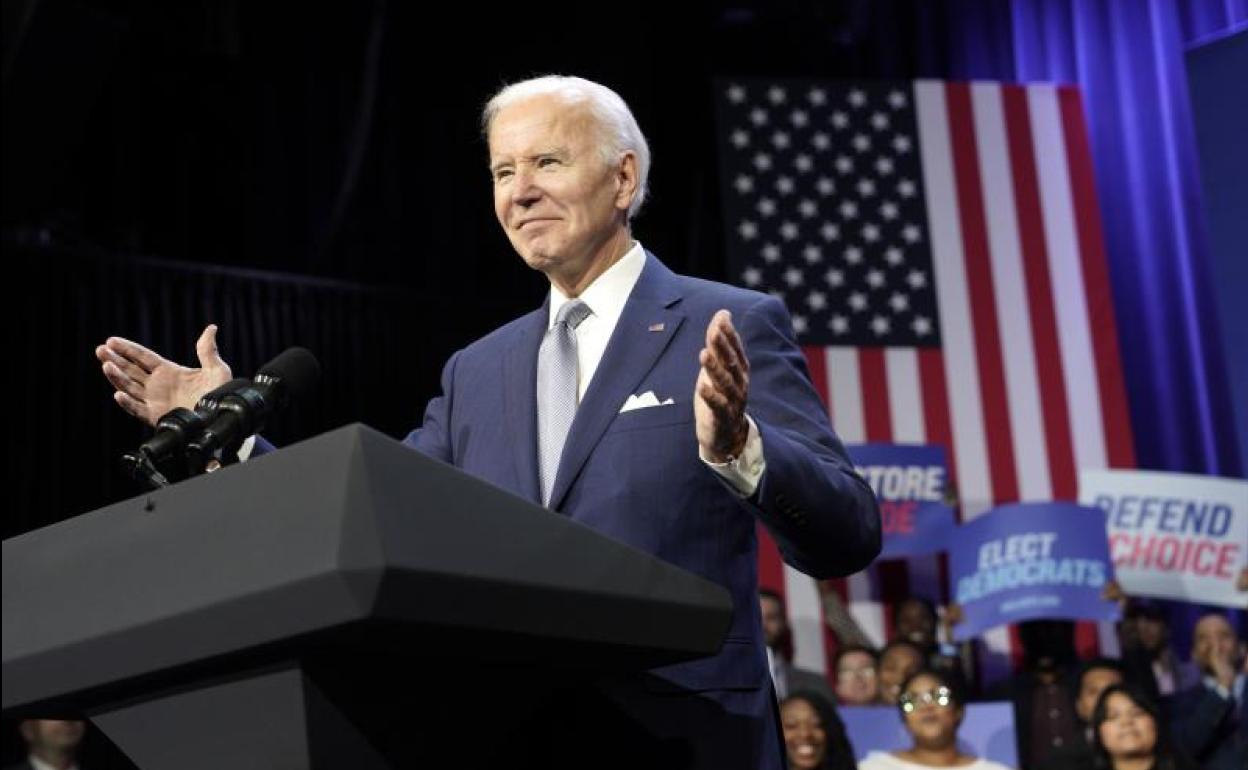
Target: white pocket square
column 644, row 401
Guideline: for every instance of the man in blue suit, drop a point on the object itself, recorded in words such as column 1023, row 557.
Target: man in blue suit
column 668, row 412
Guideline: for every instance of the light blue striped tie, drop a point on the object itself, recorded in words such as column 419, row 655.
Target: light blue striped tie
column 556, row 390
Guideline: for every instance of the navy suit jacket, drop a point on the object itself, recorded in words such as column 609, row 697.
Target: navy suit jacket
column 637, row 477
column 1211, row 729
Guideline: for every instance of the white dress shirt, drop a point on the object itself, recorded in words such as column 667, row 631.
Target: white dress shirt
column 39, row 764
column 606, row 298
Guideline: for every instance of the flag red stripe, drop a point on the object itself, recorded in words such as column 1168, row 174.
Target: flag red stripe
column 1055, row 411
column 817, row 362
column 1016, row 647
column 1119, row 444
column 939, row 431
column 1087, row 640
column 770, row 564
column 894, row 585
column 894, row 576
column 877, row 414
column 936, row 424
column 980, row 288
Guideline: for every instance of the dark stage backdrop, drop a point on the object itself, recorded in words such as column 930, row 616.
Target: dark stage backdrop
column 314, row 174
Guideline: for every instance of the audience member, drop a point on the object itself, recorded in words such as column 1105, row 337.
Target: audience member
column 1043, row 693
column 915, row 620
column 857, row 683
column 51, row 744
column 898, row 661
column 1210, row 718
column 814, row 736
column 1128, row 733
column 1147, row 654
column 1095, row 677
column 932, row 709
column 785, row 676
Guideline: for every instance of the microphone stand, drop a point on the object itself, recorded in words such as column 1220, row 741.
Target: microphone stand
column 138, row 466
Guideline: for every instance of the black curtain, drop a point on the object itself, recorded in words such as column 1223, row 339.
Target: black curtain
column 381, row 350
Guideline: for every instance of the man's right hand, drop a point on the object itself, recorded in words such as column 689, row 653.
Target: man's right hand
column 149, row 385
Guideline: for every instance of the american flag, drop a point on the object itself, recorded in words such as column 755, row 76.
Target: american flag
column 939, row 248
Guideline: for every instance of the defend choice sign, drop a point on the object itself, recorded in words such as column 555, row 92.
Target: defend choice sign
column 909, row 482
column 1174, row 535
column 1030, row 560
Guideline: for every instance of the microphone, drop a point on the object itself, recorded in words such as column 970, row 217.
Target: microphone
column 179, row 425
column 292, row 376
column 173, row 431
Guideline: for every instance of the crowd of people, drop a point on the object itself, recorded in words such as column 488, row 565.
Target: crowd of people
column 1145, row 710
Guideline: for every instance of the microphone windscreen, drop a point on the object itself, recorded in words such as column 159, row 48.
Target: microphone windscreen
column 297, row 369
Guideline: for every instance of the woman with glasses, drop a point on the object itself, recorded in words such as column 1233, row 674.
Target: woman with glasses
column 1129, row 734
column 931, row 708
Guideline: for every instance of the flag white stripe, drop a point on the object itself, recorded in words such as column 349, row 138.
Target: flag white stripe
column 1107, row 639
column 865, row 605
column 801, row 598
column 845, row 394
column 1018, row 355
column 905, row 395
column 1069, row 297
column 961, row 367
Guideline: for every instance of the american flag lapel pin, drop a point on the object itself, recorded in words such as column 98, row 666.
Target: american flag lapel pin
column 656, row 327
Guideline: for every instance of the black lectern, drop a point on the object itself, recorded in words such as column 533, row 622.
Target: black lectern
column 343, row 603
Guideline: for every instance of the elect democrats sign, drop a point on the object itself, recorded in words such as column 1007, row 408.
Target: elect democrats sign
column 1030, row 560
column 909, row 483
column 1174, row 535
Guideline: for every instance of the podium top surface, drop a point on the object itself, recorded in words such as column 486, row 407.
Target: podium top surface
column 347, row 535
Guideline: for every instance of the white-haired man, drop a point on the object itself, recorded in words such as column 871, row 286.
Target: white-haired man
column 694, row 417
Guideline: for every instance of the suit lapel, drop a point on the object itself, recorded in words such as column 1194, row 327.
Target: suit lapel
column 520, row 399
column 644, row 330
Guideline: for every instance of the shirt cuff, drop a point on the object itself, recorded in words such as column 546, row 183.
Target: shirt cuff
column 745, row 472
column 244, row 451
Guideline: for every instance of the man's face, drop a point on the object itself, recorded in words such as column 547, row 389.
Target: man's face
column 1151, row 632
column 1214, row 639
column 1048, row 645
column 916, row 624
column 774, row 622
column 856, row 683
column 1091, row 686
column 896, row 664
column 558, row 200
column 53, row 734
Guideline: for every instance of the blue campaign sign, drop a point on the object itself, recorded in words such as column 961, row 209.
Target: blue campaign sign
column 909, row 481
column 1030, row 560
column 987, row 731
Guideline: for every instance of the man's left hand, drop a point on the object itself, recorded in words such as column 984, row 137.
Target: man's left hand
column 720, row 395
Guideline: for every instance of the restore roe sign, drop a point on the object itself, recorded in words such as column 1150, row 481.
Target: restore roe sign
column 909, row 481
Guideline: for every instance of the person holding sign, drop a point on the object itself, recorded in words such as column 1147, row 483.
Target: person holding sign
column 932, row 708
